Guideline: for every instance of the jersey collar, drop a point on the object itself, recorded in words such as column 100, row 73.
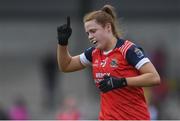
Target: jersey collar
column 119, row 43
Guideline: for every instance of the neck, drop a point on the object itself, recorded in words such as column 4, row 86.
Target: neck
column 111, row 44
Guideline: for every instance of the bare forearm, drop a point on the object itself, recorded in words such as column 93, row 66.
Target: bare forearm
column 63, row 56
column 144, row 80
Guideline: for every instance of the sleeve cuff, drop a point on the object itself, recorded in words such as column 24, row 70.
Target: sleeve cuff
column 84, row 60
column 141, row 63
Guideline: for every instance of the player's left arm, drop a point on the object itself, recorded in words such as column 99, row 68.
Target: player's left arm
column 148, row 76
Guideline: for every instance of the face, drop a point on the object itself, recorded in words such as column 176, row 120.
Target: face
column 98, row 35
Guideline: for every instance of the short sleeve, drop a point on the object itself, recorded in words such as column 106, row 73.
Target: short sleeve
column 136, row 56
column 86, row 56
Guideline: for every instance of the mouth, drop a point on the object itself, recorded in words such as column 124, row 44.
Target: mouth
column 94, row 42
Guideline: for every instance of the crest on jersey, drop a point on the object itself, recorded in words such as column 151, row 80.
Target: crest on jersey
column 138, row 52
column 96, row 61
column 114, row 63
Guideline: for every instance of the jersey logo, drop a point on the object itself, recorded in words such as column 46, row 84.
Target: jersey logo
column 101, row 75
column 114, row 63
column 138, row 52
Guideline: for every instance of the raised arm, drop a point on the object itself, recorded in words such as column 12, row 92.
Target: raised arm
column 66, row 62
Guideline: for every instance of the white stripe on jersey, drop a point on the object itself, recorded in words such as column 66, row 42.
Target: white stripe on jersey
column 141, row 63
column 84, row 60
column 127, row 47
column 127, row 44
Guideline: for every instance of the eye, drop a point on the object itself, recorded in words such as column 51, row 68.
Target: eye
column 92, row 31
column 87, row 33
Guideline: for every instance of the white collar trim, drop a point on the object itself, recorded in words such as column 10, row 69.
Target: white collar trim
column 107, row 52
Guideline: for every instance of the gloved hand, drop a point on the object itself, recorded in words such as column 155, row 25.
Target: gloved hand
column 110, row 83
column 64, row 32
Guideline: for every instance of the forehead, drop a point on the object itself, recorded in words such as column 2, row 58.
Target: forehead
column 92, row 24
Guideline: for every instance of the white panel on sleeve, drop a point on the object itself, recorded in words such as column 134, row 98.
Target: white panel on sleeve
column 84, row 60
column 141, row 63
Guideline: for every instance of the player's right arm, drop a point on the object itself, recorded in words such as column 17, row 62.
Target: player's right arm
column 66, row 62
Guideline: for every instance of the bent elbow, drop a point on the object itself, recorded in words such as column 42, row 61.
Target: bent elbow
column 157, row 80
column 62, row 69
column 65, row 70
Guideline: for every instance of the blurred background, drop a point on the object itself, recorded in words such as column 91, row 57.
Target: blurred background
column 31, row 87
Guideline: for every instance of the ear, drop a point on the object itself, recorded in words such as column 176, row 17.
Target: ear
column 108, row 27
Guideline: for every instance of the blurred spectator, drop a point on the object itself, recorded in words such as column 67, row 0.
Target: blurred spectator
column 159, row 59
column 19, row 110
column 3, row 113
column 159, row 93
column 153, row 112
column 50, row 69
column 69, row 110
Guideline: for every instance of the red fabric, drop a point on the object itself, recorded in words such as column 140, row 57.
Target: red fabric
column 126, row 103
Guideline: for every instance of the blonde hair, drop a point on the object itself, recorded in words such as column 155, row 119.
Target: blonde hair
column 103, row 16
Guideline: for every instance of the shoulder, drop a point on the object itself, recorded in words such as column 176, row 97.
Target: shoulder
column 86, row 56
column 88, row 53
column 123, row 46
column 134, row 54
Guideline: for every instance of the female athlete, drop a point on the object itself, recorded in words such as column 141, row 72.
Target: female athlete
column 120, row 68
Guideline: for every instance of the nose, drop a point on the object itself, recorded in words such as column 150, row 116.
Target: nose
column 90, row 36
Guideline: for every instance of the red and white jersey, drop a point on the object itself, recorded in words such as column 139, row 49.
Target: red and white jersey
column 123, row 61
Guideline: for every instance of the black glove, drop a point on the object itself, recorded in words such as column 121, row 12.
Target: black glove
column 110, row 83
column 64, row 32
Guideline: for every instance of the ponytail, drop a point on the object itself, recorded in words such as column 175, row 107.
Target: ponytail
column 109, row 10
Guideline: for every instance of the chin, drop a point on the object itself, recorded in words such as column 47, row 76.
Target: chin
column 99, row 47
